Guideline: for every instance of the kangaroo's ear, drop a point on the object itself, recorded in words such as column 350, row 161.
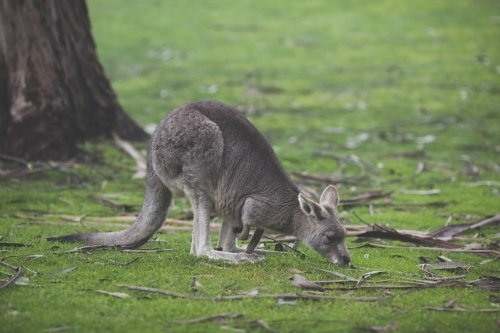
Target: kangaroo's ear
column 330, row 196
column 309, row 207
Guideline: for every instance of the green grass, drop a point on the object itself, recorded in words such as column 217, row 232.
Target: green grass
column 318, row 75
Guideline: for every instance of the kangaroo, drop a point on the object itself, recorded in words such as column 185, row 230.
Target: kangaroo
column 210, row 152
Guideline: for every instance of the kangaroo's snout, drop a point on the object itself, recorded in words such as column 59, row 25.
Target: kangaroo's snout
column 343, row 260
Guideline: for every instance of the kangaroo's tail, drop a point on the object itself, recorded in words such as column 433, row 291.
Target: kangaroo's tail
column 157, row 199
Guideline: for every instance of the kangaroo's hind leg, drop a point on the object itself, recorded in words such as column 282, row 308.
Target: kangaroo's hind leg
column 201, row 245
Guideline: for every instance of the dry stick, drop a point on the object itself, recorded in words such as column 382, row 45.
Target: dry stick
column 485, row 252
column 417, row 286
column 461, row 309
column 258, row 296
column 264, row 325
column 337, row 274
column 23, row 173
column 14, row 277
column 359, row 218
column 348, row 159
column 443, row 278
column 208, row 318
column 139, row 159
column 302, row 254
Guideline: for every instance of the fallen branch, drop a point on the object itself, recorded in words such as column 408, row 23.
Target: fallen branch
column 138, row 158
column 448, row 232
column 484, row 252
column 414, row 286
column 392, row 234
column 105, row 247
column 258, row 296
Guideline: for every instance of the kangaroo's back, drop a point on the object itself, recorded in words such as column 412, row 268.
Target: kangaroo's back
column 213, row 148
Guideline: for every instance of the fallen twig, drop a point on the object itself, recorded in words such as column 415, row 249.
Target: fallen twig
column 208, row 318
column 337, row 274
column 50, row 166
column 265, row 326
column 145, row 250
column 138, row 158
column 125, row 263
column 325, row 179
column 114, row 294
column 414, row 286
column 367, row 196
column 366, row 276
column 457, row 309
column 111, row 203
column 17, row 273
column 258, row 296
column 302, row 254
column 482, row 183
column 420, row 192
column 14, row 244
column 483, row 252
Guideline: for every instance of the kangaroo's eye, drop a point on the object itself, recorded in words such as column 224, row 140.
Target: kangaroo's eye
column 331, row 237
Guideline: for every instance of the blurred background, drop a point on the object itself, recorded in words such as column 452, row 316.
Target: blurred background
column 359, row 76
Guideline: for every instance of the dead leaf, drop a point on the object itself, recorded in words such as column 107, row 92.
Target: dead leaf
column 368, row 275
column 63, row 271
column 301, row 282
column 337, row 274
column 420, row 192
column 195, row 284
column 447, row 265
column 494, row 298
column 450, row 303
column 442, row 258
column 488, row 282
column 22, row 281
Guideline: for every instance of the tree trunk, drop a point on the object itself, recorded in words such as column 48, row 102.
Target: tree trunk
column 53, row 91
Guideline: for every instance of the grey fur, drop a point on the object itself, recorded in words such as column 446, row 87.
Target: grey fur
column 214, row 155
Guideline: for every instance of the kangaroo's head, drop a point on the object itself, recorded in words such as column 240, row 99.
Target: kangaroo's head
column 327, row 235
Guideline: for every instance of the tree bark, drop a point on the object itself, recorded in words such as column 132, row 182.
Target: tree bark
column 53, row 91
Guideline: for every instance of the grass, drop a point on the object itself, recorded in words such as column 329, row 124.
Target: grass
column 374, row 79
